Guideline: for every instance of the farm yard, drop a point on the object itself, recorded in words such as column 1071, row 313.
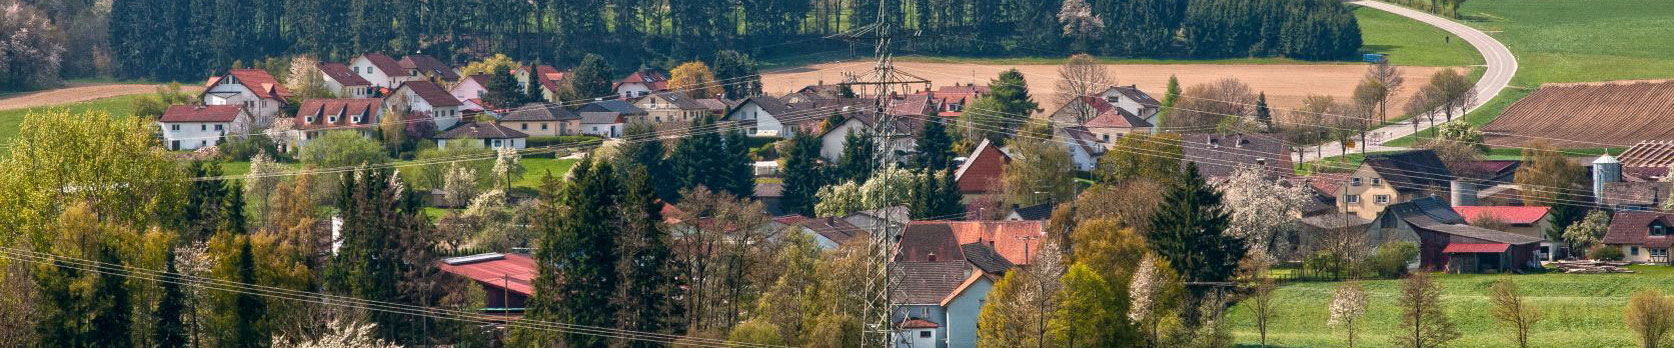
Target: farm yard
column 1581, row 310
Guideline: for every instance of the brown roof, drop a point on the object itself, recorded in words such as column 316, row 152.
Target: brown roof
column 1588, row 115
column 515, row 272
column 540, row 112
column 1634, row 227
column 1117, row 118
column 201, row 113
column 1415, row 170
column 714, row 105
column 320, row 108
column 340, row 73
column 1432, row 214
column 432, row 93
column 927, row 282
column 386, row 64
column 430, row 66
column 481, row 130
column 982, row 169
column 1017, row 241
column 1649, row 153
column 922, row 241
column 917, row 324
column 835, row 229
column 652, row 79
column 1218, row 155
column 259, row 82
column 1646, row 194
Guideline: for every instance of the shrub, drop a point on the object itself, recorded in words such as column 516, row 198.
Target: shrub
column 242, row 148
column 1392, row 258
column 1605, row 253
column 560, row 139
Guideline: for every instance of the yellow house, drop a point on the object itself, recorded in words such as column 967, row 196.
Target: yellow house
column 1390, row 178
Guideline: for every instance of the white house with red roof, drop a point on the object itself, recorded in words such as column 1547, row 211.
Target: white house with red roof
column 317, row 116
column 641, row 83
column 344, row 83
column 469, row 91
column 189, row 127
column 381, row 70
column 430, row 68
column 253, row 89
column 485, row 134
column 426, row 99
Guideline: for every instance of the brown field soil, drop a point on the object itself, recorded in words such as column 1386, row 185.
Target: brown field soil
column 1285, row 85
column 1588, row 115
column 80, row 94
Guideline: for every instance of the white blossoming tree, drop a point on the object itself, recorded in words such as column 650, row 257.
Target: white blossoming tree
column 1145, row 291
column 1347, row 305
column 459, row 186
column 890, row 186
column 1262, row 209
column 339, row 334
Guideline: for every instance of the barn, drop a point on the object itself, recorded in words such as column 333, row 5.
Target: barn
column 1446, row 243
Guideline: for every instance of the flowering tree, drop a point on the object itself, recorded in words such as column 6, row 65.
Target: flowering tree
column 1347, row 305
column 459, row 186
column 1584, row 234
column 891, row 186
column 339, row 334
column 1261, row 210
column 1145, row 292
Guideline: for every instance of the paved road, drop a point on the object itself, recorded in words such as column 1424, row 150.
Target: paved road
column 1501, row 67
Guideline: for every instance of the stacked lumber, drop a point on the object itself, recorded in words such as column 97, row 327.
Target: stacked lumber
column 1591, row 267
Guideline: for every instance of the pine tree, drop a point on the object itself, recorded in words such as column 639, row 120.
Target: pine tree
column 1263, row 115
column 232, row 209
column 934, row 147
column 647, row 155
column 248, row 310
column 650, row 273
column 502, row 90
column 948, row 198
column 860, row 157
column 1188, row 230
column 113, row 321
column 697, row 157
column 169, row 330
column 205, row 202
column 736, row 170
column 1170, row 97
column 593, row 77
column 578, row 235
column 802, row 174
column 737, row 72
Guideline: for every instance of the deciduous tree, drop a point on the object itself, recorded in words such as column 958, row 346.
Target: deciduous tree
column 1423, row 321
column 1081, row 77
column 696, row 80
column 1348, row 304
column 1651, row 317
column 1511, row 309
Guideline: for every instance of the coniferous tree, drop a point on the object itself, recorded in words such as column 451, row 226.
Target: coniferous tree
column 248, row 310
column 205, row 202
column 650, row 273
column 502, row 90
column 1189, row 231
column 934, row 147
column 170, row 330
column 647, row 155
column 1263, row 115
column 738, row 74
column 948, row 198
column 593, row 77
column 860, row 157
column 232, row 209
column 802, row 174
column 383, row 248
column 584, row 244
column 698, row 156
column 736, row 170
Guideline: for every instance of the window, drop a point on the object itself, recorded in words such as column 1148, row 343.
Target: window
column 496, row 142
column 1659, row 252
column 1659, row 230
column 524, row 126
column 924, row 333
column 1381, row 199
column 217, row 127
column 332, row 119
column 1635, row 250
column 1354, row 181
column 543, row 126
column 354, row 119
column 1377, row 181
column 356, row 69
column 1351, row 198
column 174, row 127
column 203, row 127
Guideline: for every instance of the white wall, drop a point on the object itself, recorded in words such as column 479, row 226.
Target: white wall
column 193, row 135
column 514, row 143
column 466, row 90
column 228, row 92
column 604, row 130
column 366, row 70
column 632, row 90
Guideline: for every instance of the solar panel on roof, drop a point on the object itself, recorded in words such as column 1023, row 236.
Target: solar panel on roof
column 455, row 261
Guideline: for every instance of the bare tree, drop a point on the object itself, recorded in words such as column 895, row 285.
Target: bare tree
column 1348, row 303
column 1208, row 105
column 1511, row 309
column 1261, row 300
column 1452, row 91
column 1423, row 323
column 1081, row 77
column 1651, row 316
column 1387, row 79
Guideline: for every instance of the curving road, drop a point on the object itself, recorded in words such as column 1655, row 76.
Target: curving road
column 1501, row 67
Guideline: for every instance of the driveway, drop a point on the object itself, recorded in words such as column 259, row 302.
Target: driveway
column 1501, row 67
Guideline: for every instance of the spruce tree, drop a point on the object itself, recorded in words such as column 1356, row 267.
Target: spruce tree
column 698, row 156
column 1170, row 97
column 169, row 331
column 232, row 209
column 802, row 174
column 1012, row 93
column 737, row 169
column 948, row 199
column 502, row 90
column 579, row 237
column 1189, row 230
column 205, row 202
column 934, row 147
column 738, row 72
column 650, row 272
column 112, row 320
column 922, row 204
column 647, row 155
column 248, row 310
column 860, row 157
column 593, row 77
column 1263, row 115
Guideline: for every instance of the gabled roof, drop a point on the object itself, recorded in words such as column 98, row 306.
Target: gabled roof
column 1084, row 138
column 515, row 272
column 1432, row 214
column 917, row 324
column 1414, row 170
column 1117, row 118
column 927, row 282
column 320, row 108
column 1646, row 194
column 1649, row 153
column 1017, row 241
column 985, row 258
column 540, row 112
column 385, row 64
column 613, row 105
column 201, row 113
column 481, row 130
column 1218, row 155
column 1133, row 92
column 600, row 117
column 340, row 73
column 549, row 77
column 430, row 66
column 981, row 169
column 1634, row 228
column 714, row 105
column 652, row 79
column 258, row 81
column 1506, row 214
column 431, row 93
column 928, row 242
column 834, row 229
column 679, row 99
column 1334, row 221
column 1035, row 212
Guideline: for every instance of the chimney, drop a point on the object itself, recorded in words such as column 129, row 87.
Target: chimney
column 1462, row 193
column 931, row 257
column 1606, row 169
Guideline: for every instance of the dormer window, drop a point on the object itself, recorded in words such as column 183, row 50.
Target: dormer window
column 1658, row 229
column 309, row 119
column 354, row 119
column 331, row 119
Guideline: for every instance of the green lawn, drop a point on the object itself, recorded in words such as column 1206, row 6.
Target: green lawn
column 1581, row 40
column 11, row 120
column 1410, row 42
column 1581, row 310
column 536, row 168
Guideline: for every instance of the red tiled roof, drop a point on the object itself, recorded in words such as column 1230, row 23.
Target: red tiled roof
column 1017, row 241
column 549, row 76
column 982, row 169
column 515, row 272
column 1507, row 214
column 918, row 324
column 1634, row 227
column 258, row 81
column 1649, row 153
column 340, row 73
column 321, row 109
column 1464, row 248
column 386, row 64
column 1116, row 118
column 431, row 93
column 201, row 113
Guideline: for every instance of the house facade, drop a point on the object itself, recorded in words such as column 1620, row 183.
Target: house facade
column 253, row 89
column 540, row 120
column 1643, row 236
column 317, row 116
column 422, row 97
column 981, row 171
column 484, row 134
column 189, row 127
column 1387, row 179
column 602, row 123
column 900, row 141
column 430, row 68
column 344, row 83
column 640, row 84
column 469, row 92
column 381, row 70
column 668, row 107
column 765, row 116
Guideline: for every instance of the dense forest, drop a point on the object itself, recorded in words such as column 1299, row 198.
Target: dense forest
column 188, row 39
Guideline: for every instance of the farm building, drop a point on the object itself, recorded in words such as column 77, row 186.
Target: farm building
column 506, row 279
column 1643, row 236
column 1391, row 178
column 1616, row 114
column 1446, row 243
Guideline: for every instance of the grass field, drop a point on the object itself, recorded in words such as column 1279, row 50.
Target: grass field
column 1409, row 42
column 11, row 120
column 1581, row 310
column 1581, row 40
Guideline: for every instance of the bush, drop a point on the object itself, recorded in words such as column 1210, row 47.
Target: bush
column 765, row 152
column 1605, row 253
column 242, row 148
column 1392, row 258
column 561, row 139
column 1324, row 264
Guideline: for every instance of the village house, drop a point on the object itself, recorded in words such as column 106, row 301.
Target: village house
column 1391, row 178
column 946, row 270
column 602, row 123
column 981, row 172
column 828, row 232
column 900, row 140
column 488, row 135
column 668, row 107
column 1612, row 190
column 1084, row 147
column 1643, row 236
column 430, row 68
column 1446, row 243
column 381, row 70
column 317, row 116
column 640, row 83
column 507, row 280
column 1530, row 221
column 626, row 109
column 1104, row 119
column 540, row 120
column 425, row 98
column 1038, row 212
column 1219, row 155
column 950, row 101
column 469, row 92
column 253, row 89
column 344, row 83
column 548, row 79
column 765, row 116
column 189, row 127
column 1129, row 98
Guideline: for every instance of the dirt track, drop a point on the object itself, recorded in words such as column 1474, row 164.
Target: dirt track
column 1285, row 85
column 78, row 94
